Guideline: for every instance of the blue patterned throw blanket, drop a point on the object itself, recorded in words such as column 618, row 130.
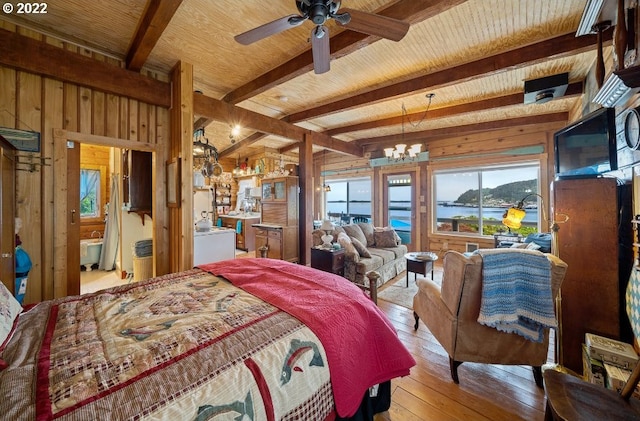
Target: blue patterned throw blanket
column 516, row 292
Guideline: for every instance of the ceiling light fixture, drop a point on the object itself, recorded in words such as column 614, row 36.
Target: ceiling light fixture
column 235, row 132
column 400, row 152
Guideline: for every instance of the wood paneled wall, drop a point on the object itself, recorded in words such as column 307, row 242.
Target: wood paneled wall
column 41, row 104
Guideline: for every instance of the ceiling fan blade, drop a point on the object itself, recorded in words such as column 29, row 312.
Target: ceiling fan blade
column 271, row 28
column 377, row 25
column 320, row 49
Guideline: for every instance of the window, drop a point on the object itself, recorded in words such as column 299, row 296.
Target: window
column 349, row 197
column 89, row 193
column 473, row 200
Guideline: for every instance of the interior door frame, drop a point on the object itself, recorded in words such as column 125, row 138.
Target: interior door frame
column 413, row 173
column 68, row 279
column 7, row 217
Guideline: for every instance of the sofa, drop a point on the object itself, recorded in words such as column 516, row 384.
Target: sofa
column 368, row 249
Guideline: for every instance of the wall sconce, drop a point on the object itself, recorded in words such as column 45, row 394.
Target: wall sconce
column 401, row 152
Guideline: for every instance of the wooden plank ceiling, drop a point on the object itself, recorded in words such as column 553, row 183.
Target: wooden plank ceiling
column 474, row 55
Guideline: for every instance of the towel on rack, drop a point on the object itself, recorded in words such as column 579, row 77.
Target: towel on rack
column 516, row 292
column 84, row 249
column 239, row 227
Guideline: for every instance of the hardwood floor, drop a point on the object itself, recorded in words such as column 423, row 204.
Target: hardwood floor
column 485, row 392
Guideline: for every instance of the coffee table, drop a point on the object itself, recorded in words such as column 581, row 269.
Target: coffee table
column 420, row 262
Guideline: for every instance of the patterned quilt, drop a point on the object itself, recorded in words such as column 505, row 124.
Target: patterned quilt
column 181, row 346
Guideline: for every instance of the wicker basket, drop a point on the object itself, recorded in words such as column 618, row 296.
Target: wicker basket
column 142, row 268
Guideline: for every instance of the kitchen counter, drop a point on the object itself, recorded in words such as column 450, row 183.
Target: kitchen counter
column 243, row 215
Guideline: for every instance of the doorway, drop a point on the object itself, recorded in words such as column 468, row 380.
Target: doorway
column 115, row 211
column 69, row 232
column 399, row 212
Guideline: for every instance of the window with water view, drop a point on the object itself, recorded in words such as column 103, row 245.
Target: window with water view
column 349, row 198
column 474, row 200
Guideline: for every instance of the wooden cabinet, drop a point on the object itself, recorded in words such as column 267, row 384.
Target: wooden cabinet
column 245, row 232
column 279, row 227
column 328, row 260
column 137, row 180
column 270, row 237
column 592, row 243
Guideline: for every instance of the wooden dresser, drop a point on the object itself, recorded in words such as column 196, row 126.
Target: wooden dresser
column 279, row 227
column 595, row 242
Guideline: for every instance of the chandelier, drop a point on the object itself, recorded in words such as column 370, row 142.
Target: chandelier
column 400, row 151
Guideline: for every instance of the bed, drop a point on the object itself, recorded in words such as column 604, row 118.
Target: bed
column 242, row 339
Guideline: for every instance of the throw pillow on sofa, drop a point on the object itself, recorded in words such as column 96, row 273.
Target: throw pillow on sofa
column 367, row 230
column 385, row 237
column 354, row 231
column 349, row 249
column 361, row 248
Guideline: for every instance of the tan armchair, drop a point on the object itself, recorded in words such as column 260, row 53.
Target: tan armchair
column 451, row 312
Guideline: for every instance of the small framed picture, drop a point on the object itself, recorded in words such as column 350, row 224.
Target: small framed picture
column 173, row 183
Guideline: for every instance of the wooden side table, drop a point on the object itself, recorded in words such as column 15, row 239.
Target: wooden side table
column 328, row 260
column 418, row 264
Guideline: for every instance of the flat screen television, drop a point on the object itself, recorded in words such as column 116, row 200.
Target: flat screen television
column 587, row 148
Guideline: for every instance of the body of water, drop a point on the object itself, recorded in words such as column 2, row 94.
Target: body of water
column 495, row 213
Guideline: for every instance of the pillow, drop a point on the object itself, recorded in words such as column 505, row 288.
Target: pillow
column 543, row 239
column 519, row 245
column 360, row 248
column 336, row 231
column 533, row 246
column 349, row 248
column 10, row 308
column 354, row 231
column 367, row 230
column 385, row 238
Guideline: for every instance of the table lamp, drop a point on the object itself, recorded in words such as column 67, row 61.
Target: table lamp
column 327, row 227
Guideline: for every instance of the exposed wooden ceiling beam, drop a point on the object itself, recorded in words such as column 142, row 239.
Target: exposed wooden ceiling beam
column 377, row 143
column 561, row 46
column 31, row 55
column 153, row 22
column 247, row 141
column 201, row 123
column 573, row 89
column 346, row 42
column 218, row 110
column 222, row 111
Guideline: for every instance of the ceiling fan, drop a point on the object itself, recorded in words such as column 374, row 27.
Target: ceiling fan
column 319, row 11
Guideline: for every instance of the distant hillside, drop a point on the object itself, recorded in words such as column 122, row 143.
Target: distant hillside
column 505, row 193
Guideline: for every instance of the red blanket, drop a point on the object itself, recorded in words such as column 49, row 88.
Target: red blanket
column 362, row 346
